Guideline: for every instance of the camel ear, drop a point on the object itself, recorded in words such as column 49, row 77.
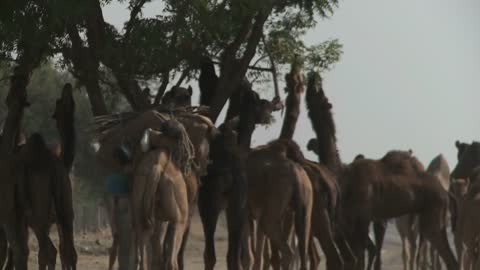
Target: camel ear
column 410, row 151
column 190, row 90
column 457, row 144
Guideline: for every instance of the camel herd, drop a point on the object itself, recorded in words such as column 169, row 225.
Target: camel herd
column 278, row 203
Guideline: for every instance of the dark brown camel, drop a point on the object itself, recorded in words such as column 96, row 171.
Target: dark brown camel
column 225, row 185
column 467, row 234
column 48, row 187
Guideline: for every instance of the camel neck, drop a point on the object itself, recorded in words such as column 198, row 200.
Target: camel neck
column 320, row 114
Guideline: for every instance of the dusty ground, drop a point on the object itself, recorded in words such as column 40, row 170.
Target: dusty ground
column 92, row 249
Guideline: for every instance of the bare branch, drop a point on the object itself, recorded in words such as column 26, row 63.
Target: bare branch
column 162, row 88
column 182, row 77
column 274, row 68
column 262, row 69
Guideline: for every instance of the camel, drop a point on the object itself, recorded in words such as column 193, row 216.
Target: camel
column 392, row 186
column 47, row 187
column 467, row 234
column 174, row 98
column 408, row 226
column 128, row 132
column 224, row 187
column 364, row 200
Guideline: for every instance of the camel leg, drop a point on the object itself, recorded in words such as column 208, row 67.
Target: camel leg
column 430, row 227
column 275, row 258
column 379, row 228
column 324, row 234
column 435, row 259
column 112, row 251
column 17, row 239
column 342, row 239
column 209, row 210
column 3, row 249
column 236, row 220
column 279, row 241
column 360, row 242
column 314, row 255
column 181, row 252
column 267, row 255
column 173, row 238
column 422, row 258
column 248, row 245
column 371, row 251
column 43, row 256
column 157, row 260
column 259, row 249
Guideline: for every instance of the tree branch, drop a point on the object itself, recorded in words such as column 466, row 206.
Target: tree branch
column 274, row 68
column 162, row 88
column 262, row 69
column 136, row 9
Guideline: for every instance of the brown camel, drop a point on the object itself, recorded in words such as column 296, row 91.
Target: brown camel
column 174, row 98
column 467, row 235
column 390, row 187
column 225, row 186
column 363, row 194
column 322, row 180
column 408, row 229
column 198, row 131
column 47, row 186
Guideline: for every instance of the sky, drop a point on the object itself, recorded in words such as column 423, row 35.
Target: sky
column 409, row 77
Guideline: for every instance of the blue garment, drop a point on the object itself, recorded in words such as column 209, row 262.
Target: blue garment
column 118, row 184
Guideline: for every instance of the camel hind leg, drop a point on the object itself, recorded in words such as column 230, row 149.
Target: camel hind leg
column 324, row 234
column 432, row 227
column 173, row 241
column 17, row 239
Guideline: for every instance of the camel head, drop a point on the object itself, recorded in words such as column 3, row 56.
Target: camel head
column 358, row 157
column 178, row 97
column 312, row 145
column 469, row 160
column 461, row 147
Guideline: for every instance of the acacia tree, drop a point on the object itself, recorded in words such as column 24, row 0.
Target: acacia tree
column 254, row 38
column 169, row 46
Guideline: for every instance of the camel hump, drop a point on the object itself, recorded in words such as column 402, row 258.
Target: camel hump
column 440, row 169
column 290, row 149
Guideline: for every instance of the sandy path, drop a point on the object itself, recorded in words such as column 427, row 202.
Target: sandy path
column 92, row 249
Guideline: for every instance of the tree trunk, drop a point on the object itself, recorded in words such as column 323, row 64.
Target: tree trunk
column 233, row 70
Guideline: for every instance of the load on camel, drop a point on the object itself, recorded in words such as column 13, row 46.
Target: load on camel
column 164, row 148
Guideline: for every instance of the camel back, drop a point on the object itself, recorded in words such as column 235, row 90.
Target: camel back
column 128, row 129
column 439, row 167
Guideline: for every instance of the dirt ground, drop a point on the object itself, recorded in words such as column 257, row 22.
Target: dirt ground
column 92, row 249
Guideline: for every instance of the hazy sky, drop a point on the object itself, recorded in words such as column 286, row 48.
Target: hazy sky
column 409, row 76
